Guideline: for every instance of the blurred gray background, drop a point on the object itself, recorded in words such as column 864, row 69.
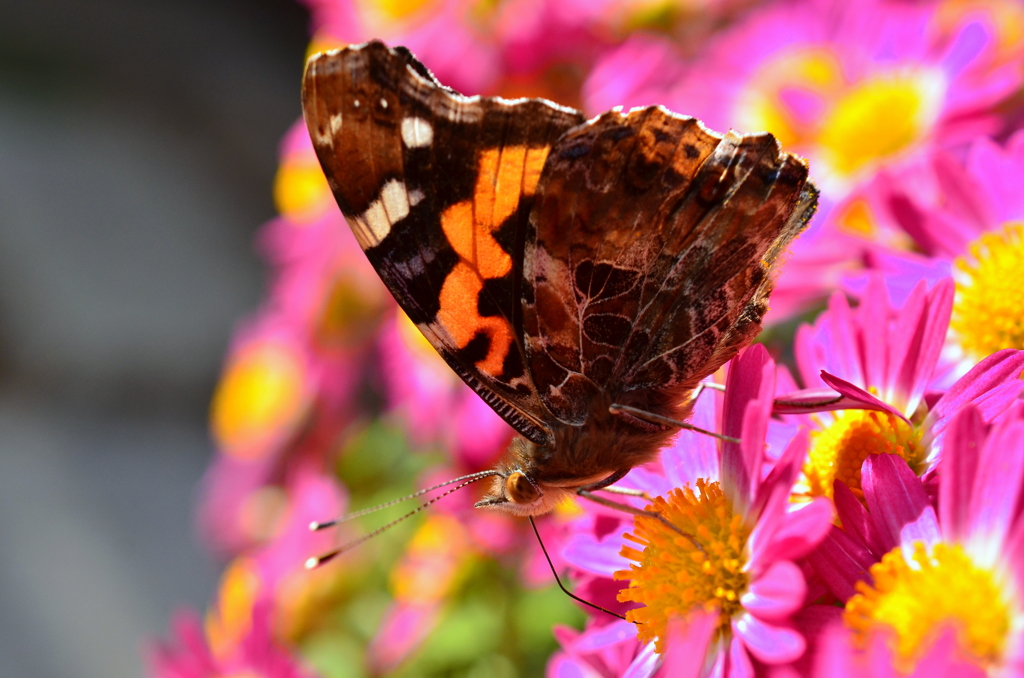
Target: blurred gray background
column 138, row 145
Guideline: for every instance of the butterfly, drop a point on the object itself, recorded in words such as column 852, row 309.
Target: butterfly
column 582, row 276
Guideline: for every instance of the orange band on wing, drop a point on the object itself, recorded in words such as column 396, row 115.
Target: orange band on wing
column 460, row 317
column 505, row 176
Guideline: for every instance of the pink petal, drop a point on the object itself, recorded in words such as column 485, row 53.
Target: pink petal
column 896, row 498
column 997, row 486
column 788, row 466
column 800, row 530
column 601, row 556
column 857, row 394
column 993, row 385
column 404, row 628
column 834, row 657
column 880, row 345
column 856, row 520
column 751, row 374
column 562, row 665
column 768, row 643
column 841, row 562
column 777, row 593
column 645, row 664
column 687, row 645
column 918, row 335
column 944, row 659
column 958, row 468
column 612, row 634
column 739, row 664
column 844, row 353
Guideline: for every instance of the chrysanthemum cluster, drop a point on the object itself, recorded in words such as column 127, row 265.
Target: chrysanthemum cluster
column 870, row 520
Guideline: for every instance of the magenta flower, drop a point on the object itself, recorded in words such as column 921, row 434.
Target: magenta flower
column 883, row 361
column 745, row 572
column 258, row 655
column 427, row 574
column 909, row 571
column 968, row 218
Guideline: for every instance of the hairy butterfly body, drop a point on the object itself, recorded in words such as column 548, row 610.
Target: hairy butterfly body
column 559, row 265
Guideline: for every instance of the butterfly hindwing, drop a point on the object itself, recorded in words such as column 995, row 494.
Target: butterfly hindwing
column 653, row 241
column 437, row 188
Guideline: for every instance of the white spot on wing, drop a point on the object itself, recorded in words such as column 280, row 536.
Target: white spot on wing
column 415, row 197
column 396, row 200
column 335, row 124
column 373, row 225
column 417, row 132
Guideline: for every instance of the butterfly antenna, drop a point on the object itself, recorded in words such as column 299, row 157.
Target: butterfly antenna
column 317, row 561
column 644, row 415
column 558, row 580
column 472, row 477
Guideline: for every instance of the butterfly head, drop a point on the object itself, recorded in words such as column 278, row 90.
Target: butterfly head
column 516, row 489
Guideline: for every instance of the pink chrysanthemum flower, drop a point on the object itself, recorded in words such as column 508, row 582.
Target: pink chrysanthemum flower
column 882, row 360
column 435, row 561
column 256, row 655
column 743, row 572
column 262, row 596
column 969, row 218
column 910, row 572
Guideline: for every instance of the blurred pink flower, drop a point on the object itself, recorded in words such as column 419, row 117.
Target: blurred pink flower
column 969, row 218
column 429, row 572
column 257, row 655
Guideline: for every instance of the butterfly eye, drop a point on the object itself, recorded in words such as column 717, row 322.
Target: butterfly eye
column 520, row 490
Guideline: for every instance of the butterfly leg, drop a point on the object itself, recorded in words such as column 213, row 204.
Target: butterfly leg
column 628, row 492
column 710, row 385
column 644, row 415
column 626, row 508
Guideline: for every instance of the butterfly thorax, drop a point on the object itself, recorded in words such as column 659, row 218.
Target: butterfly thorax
column 532, row 479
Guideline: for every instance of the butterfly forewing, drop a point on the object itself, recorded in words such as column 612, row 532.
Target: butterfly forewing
column 437, row 188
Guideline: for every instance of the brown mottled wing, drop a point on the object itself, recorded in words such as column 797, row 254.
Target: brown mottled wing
column 437, row 188
column 654, row 244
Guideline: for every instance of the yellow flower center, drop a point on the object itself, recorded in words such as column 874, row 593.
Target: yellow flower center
column 990, row 293
column 875, row 120
column 839, row 450
column 434, row 562
column 348, row 315
column 672, row 577
column 915, row 600
column 805, row 99
column 301, row 192
column 809, row 76
column 230, row 620
column 259, row 392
